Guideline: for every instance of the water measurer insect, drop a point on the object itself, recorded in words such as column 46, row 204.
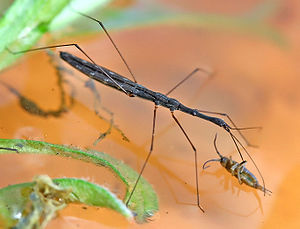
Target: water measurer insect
column 133, row 89
column 237, row 169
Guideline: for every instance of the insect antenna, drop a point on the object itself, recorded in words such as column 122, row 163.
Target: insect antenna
column 217, row 151
column 211, row 160
column 215, row 145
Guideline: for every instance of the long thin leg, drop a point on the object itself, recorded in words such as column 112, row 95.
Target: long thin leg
column 236, row 146
column 187, row 77
column 238, row 129
column 212, row 112
column 148, row 156
column 81, row 50
column 196, row 159
column 111, row 40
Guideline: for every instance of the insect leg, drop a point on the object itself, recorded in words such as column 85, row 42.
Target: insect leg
column 212, row 112
column 195, row 157
column 111, row 40
column 235, row 127
column 148, row 156
column 187, row 77
column 81, row 50
column 240, row 168
column 234, row 165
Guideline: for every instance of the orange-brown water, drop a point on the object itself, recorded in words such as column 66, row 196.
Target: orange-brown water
column 256, row 82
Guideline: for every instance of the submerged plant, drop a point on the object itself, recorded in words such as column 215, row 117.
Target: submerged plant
column 144, row 202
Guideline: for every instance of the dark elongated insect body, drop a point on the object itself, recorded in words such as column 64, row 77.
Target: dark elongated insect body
column 135, row 90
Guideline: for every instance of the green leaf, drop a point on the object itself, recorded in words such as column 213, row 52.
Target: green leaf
column 144, row 202
column 26, row 21
column 34, row 204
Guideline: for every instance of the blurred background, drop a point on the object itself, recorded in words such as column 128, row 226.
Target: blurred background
column 252, row 46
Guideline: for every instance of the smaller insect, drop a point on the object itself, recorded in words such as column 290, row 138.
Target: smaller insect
column 238, row 170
